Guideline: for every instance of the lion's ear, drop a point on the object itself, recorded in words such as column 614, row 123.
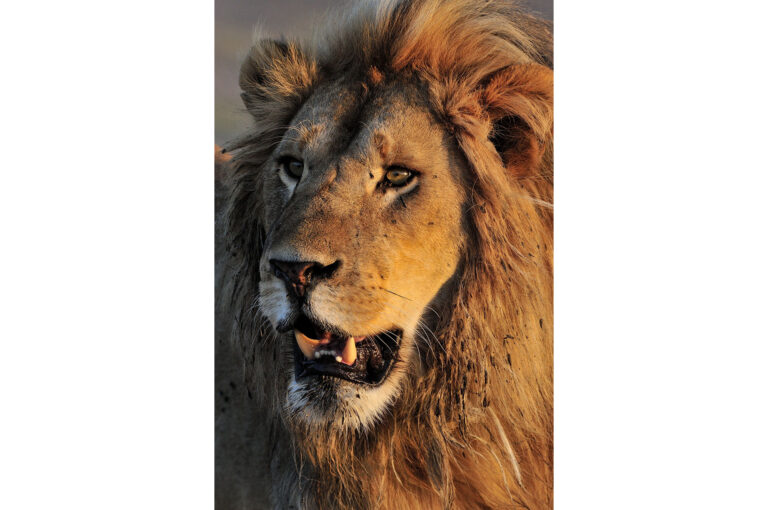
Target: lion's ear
column 275, row 74
column 518, row 100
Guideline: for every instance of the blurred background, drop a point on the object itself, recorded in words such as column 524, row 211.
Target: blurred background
column 235, row 22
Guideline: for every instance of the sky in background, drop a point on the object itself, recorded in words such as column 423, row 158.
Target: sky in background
column 235, row 24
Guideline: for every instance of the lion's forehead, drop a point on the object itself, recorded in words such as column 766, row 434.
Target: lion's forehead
column 339, row 119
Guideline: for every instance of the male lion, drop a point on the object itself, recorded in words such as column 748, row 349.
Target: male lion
column 384, row 275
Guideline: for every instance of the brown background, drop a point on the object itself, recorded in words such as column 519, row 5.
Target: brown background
column 235, row 23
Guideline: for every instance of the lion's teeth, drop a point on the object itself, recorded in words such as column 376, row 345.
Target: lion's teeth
column 311, row 348
column 349, row 354
column 306, row 345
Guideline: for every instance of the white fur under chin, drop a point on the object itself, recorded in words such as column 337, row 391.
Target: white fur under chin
column 354, row 407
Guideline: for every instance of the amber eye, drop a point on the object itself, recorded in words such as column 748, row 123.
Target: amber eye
column 292, row 166
column 398, row 177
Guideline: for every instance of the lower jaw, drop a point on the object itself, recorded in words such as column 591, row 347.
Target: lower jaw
column 363, row 372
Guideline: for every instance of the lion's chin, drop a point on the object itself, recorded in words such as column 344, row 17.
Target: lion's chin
column 325, row 403
column 331, row 386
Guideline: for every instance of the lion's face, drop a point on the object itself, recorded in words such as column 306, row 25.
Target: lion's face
column 364, row 228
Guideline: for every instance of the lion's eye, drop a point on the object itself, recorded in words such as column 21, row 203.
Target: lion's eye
column 292, row 166
column 398, row 177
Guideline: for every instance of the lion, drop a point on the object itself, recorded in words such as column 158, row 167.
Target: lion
column 384, row 265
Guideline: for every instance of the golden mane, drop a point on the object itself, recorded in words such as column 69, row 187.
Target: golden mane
column 475, row 431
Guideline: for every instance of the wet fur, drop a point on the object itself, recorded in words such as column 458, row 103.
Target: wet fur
column 474, row 429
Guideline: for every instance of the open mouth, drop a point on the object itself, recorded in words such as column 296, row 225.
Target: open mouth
column 359, row 359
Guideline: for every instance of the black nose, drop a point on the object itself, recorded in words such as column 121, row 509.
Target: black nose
column 300, row 275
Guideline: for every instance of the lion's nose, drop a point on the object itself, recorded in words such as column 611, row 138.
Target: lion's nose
column 300, row 275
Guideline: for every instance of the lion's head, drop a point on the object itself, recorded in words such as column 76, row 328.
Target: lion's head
column 390, row 225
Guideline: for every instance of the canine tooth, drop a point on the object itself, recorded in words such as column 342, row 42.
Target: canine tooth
column 338, row 359
column 349, row 354
column 317, row 354
column 306, row 345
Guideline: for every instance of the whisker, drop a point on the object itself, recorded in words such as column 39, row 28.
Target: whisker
column 398, row 295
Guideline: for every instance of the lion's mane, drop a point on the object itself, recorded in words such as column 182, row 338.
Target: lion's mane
column 475, row 430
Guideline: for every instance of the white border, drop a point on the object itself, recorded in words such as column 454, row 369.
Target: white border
column 660, row 255
column 106, row 364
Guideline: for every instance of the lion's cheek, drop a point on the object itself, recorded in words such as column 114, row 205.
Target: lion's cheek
column 422, row 267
